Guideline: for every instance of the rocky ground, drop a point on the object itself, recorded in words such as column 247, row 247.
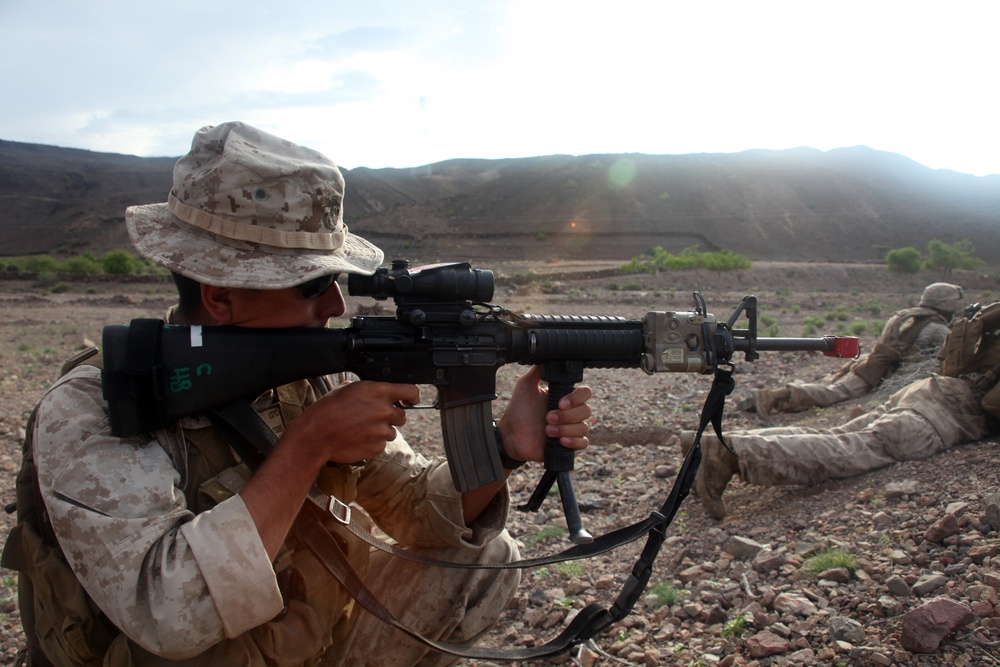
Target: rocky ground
column 830, row 575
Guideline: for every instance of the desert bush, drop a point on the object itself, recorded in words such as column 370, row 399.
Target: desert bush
column 941, row 256
column 829, row 559
column 41, row 264
column 871, row 307
column 839, row 313
column 658, row 259
column 86, row 264
column 904, row 260
column 120, row 263
column 666, row 594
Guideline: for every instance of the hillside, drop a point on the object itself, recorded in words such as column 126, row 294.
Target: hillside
column 797, row 205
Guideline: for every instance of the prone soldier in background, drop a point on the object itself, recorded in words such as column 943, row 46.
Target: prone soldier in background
column 960, row 403
column 912, row 335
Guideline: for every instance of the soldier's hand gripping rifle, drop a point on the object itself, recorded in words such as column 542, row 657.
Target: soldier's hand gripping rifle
column 445, row 334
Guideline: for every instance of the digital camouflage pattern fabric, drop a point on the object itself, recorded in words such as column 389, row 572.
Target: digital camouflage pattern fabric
column 249, row 209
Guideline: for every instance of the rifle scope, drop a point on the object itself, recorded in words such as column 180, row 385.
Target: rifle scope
column 436, row 282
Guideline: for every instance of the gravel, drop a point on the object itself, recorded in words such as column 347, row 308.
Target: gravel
column 914, row 538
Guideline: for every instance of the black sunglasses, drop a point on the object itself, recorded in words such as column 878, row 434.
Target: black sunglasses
column 314, row 288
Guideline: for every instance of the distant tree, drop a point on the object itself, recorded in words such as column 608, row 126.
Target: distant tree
column 904, row 260
column 120, row 263
column 947, row 258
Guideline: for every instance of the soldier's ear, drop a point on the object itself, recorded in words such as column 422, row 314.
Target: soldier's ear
column 218, row 303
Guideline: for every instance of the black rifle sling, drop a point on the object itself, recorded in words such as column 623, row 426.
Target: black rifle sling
column 252, row 439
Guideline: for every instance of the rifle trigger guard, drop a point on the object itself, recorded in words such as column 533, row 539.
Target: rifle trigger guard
column 419, row 406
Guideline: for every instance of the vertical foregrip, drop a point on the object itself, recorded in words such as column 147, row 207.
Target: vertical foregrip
column 562, row 377
column 470, row 445
column 557, row 457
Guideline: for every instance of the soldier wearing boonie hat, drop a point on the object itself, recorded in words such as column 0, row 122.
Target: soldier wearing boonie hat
column 166, row 546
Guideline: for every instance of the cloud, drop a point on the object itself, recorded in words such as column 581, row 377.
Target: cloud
column 394, row 83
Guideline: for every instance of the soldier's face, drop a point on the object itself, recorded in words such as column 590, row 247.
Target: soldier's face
column 284, row 308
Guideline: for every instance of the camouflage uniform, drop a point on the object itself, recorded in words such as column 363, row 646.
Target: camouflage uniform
column 921, row 419
column 911, row 335
column 159, row 517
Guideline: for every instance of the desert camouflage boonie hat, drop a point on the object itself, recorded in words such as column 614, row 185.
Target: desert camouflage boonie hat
column 248, row 209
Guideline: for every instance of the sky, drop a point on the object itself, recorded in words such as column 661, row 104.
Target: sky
column 403, row 83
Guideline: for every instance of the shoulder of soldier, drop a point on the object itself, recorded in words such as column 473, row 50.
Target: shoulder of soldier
column 85, row 367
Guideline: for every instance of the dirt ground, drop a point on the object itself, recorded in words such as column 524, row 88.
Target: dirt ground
column 629, row 468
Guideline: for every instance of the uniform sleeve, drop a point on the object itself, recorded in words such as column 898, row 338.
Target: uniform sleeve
column 175, row 583
column 414, row 500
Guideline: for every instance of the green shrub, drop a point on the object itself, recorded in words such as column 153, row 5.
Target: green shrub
column 904, row 260
column 872, row 308
column 735, row 627
column 546, row 533
column 120, row 263
column 41, row 264
column 839, row 314
column 829, row 559
column 658, row 259
column 666, row 594
column 85, row 264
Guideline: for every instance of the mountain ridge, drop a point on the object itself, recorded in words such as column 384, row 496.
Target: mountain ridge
column 802, row 204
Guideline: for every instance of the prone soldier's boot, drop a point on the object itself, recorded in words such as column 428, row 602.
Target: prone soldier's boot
column 718, row 465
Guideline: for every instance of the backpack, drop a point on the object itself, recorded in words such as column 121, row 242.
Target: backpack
column 973, row 347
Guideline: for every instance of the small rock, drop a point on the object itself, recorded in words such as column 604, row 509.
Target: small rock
column 923, row 628
column 942, row 529
column 846, row 629
column 906, row 488
column 794, row 604
column 929, row 583
column 765, row 644
column 742, row 548
column 897, row 586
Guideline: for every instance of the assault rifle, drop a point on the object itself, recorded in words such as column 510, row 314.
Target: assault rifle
column 444, row 333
